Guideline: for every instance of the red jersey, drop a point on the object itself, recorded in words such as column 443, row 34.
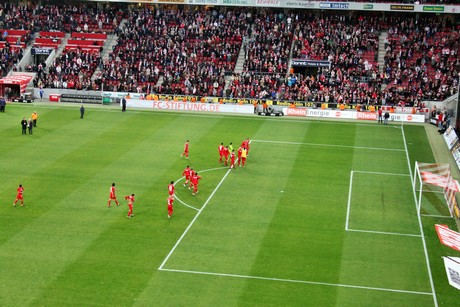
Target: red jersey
column 170, row 202
column 186, row 147
column 186, row 173
column 240, row 150
column 232, row 156
column 171, row 189
column 225, row 152
column 195, row 179
column 130, row 199
column 20, row 190
column 191, row 173
column 221, row 150
column 112, row 192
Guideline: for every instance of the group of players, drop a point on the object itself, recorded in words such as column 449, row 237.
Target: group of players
column 226, row 156
column 129, row 198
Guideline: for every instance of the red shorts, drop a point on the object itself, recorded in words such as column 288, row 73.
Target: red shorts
column 112, row 197
column 19, row 196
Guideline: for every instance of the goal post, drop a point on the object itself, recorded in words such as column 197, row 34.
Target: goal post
column 436, row 178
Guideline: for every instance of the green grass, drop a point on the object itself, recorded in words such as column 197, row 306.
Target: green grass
column 270, row 234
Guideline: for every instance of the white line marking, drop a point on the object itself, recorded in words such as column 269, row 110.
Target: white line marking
column 349, row 200
column 193, row 221
column 427, row 258
column 438, row 216
column 428, row 191
column 386, row 233
column 180, row 179
column 381, row 173
column 185, row 204
column 297, row 281
column 349, row 204
column 331, row 145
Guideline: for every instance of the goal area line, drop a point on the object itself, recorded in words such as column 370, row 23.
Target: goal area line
column 350, row 192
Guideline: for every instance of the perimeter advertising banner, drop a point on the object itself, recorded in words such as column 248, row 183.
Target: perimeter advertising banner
column 448, row 237
column 189, row 106
column 311, row 4
column 452, row 265
column 413, row 118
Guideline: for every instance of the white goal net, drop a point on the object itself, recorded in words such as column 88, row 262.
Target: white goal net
column 435, row 179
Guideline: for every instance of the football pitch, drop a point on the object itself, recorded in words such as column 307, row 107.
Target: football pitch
column 323, row 213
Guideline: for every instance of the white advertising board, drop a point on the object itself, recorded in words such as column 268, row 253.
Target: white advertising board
column 190, row 106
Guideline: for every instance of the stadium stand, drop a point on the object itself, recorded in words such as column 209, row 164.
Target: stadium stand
column 192, row 51
column 186, row 51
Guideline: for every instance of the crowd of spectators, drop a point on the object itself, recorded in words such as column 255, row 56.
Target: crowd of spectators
column 191, row 51
column 339, row 39
column 67, row 17
column 71, row 70
column 421, row 59
column 8, row 58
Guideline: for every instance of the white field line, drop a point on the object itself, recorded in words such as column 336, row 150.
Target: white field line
column 185, row 204
column 438, row 216
column 381, row 173
column 180, row 179
column 298, row 281
column 350, row 191
column 349, row 200
column 193, row 221
column 427, row 258
column 330, row 145
column 426, row 191
column 385, row 233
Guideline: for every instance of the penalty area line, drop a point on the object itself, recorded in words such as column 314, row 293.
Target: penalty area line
column 330, row 145
column 297, row 281
column 193, row 221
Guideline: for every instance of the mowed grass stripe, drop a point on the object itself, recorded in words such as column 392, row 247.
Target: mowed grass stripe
column 305, row 234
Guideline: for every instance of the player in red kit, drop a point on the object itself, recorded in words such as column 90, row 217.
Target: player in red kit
column 19, row 196
column 195, row 180
column 185, row 153
column 221, row 152
column 245, row 144
column 232, row 159
column 226, row 153
column 130, row 199
column 240, row 150
column 190, row 175
column 186, row 174
column 170, row 206
column 244, row 154
column 112, row 196
column 171, row 189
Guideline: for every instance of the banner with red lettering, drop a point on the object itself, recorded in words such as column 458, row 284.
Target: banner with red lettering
column 448, row 237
